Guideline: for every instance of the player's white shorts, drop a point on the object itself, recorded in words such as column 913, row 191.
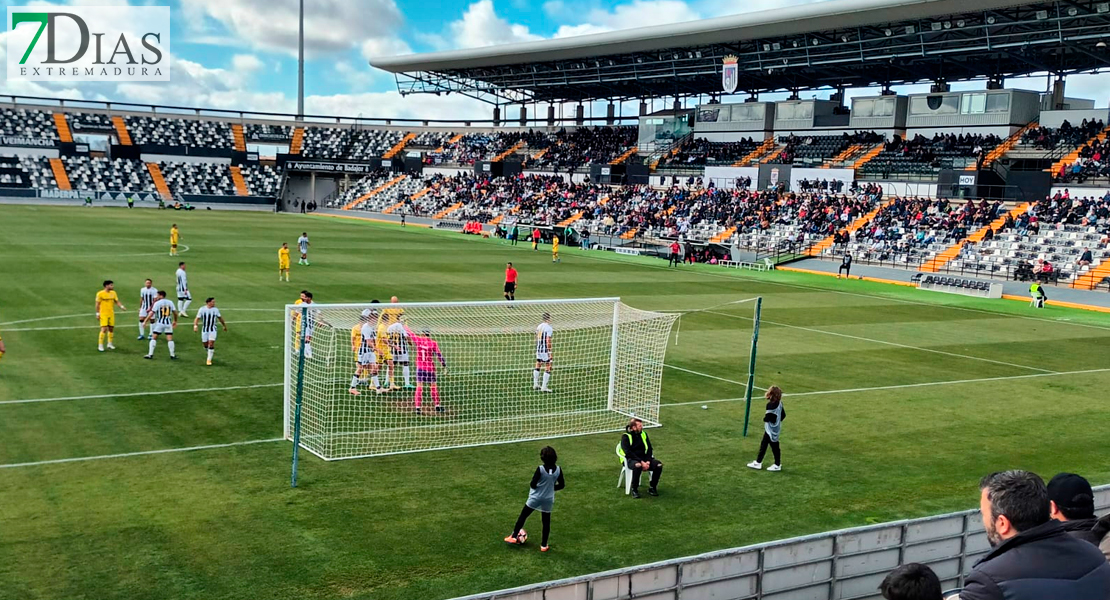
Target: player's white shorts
column 543, row 356
column 142, row 314
column 400, row 358
column 367, row 358
column 207, row 336
column 158, row 328
column 184, row 295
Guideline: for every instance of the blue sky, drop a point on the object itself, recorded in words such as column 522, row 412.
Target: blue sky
column 241, row 54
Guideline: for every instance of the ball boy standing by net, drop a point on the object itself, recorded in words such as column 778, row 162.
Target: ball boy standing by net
column 546, row 480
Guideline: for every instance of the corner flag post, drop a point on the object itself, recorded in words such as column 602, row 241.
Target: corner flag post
column 751, row 365
column 300, row 392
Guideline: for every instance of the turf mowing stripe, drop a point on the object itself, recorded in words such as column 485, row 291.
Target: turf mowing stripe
column 740, row 275
column 57, row 461
column 903, row 386
column 693, row 403
column 130, row 394
column 856, row 337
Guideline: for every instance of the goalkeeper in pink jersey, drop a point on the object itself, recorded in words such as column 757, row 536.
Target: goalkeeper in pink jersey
column 427, row 352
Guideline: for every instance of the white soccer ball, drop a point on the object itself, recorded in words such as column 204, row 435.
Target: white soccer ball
column 522, row 536
column 704, row 407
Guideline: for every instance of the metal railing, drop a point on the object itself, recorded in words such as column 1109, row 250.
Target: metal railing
column 847, row 564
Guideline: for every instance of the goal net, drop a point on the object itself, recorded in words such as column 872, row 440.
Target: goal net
column 472, row 367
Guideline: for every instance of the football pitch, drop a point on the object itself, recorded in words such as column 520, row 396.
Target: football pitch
column 897, row 402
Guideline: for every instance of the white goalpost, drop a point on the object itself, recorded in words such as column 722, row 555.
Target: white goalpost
column 606, row 366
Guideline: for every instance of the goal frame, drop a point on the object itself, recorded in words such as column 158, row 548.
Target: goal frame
column 291, row 399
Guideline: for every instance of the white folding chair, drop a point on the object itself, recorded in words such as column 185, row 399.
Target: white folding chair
column 626, row 473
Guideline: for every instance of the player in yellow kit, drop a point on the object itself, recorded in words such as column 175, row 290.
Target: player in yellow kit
column 555, row 248
column 283, row 261
column 175, row 236
column 2, row 349
column 106, row 302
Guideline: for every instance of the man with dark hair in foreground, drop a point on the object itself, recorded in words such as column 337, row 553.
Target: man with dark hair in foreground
column 1033, row 557
column 912, row 581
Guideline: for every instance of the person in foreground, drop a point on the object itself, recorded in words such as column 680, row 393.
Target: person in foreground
column 1033, row 557
column 772, row 427
column 911, row 581
column 639, row 456
column 546, row 480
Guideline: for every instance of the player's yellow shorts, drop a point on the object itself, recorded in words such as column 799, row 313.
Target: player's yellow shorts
column 107, row 320
column 283, row 264
column 385, row 354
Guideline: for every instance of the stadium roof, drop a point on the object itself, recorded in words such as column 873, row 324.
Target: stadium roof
column 841, row 43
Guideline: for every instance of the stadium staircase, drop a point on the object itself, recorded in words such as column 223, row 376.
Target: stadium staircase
column 540, row 154
column 159, row 181
column 1070, row 157
column 765, row 147
column 60, row 176
column 724, row 235
column 453, row 140
column 938, row 261
column 240, row 183
column 511, row 150
column 623, row 157
column 657, row 157
column 631, row 233
column 1091, row 279
column 866, row 158
column 374, row 192
column 773, row 154
column 64, row 134
column 121, row 131
column 399, row 146
column 238, row 137
column 414, row 197
column 297, row 143
column 1000, row 150
column 571, row 219
column 450, row 209
column 843, row 156
column 854, row 226
column 501, row 217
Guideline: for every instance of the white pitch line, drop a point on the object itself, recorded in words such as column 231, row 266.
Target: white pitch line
column 57, row 461
column 54, row 318
column 696, row 402
column 903, row 386
column 68, row 327
column 884, row 342
column 132, row 394
column 739, row 383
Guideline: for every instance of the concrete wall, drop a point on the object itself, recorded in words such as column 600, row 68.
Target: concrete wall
column 838, row 565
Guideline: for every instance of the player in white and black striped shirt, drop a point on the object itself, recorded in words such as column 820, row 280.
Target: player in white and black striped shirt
column 148, row 295
column 184, row 298
column 163, row 318
column 206, row 319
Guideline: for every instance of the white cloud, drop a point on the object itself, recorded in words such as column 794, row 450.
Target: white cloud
column 384, row 46
column 246, row 64
column 638, row 13
column 481, row 26
column 330, row 25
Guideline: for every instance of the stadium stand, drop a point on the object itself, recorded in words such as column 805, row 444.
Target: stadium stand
column 179, row 132
column 27, row 123
column 349, row 143
column 266, row 132
column 89, row 173
column 923, row 158
column 700, row 152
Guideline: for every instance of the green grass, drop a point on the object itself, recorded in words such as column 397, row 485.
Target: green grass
column 224, row 523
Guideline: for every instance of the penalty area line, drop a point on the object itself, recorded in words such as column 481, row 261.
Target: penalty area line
column 132, row 394
column 901, row 386
column 57, row 461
